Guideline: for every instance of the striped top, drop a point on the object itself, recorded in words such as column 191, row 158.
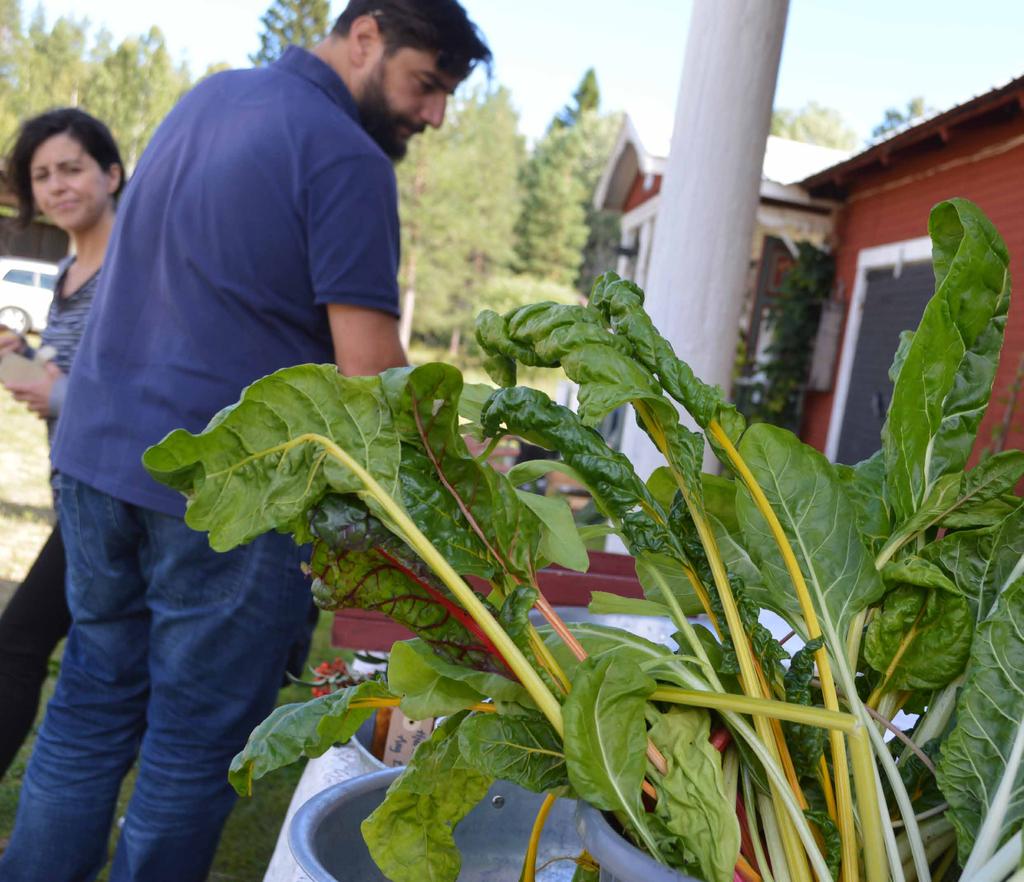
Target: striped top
column 65, row 323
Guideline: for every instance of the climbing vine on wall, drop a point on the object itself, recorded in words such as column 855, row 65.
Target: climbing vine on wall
column 793, row 323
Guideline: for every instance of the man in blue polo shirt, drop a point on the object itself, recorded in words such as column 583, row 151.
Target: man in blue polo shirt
column 260, row 230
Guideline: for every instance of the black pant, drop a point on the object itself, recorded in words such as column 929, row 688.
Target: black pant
column 33, row 623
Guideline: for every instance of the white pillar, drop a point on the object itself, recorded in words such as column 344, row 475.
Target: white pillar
column 643, row 251
column 709, row 194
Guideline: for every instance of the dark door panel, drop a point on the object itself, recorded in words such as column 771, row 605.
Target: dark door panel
column 891, row 305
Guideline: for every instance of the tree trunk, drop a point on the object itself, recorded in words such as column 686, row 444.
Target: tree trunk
column 456, row 340
column 408, row 302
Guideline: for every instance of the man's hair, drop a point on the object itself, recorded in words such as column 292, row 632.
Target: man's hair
column 89, row 132
column 440, row 25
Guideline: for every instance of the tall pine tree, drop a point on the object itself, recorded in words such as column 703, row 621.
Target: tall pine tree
column 132, row 88
column 51, row 65
column 560, row 236
column 586, row 99
column 291, row 23
column 598, row 133
column 552, row 226
column 459, row 191
column 10, row 49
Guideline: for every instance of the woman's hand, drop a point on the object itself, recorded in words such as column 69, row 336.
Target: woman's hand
column 10, row 341
column 36, row 396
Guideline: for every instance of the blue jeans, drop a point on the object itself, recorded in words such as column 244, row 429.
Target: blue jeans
column 175, row 654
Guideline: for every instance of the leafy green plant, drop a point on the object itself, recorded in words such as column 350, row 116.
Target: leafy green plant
column 903, row 575
column 793, row 319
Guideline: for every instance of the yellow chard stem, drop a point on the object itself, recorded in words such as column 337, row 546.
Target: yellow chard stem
column 748, row 670
column 876, row 863
column 767, row 707
column 750, row 802
column 826, row 786
column 748, row 678
column 548, row 660
column 534, row 685
column 358, row 703
column 773, row 842
column 853, row 638
column 844, row 797
column 529, row 873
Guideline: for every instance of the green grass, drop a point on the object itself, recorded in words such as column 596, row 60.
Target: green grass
column 25, row 518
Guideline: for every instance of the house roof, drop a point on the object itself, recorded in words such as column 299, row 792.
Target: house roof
column 936, row 130
column 629, row 157
column 785, row 162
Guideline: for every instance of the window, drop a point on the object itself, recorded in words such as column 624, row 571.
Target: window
column 48, row 281
column 20, row 277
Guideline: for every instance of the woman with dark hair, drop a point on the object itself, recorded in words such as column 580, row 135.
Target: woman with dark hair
column 66, row 166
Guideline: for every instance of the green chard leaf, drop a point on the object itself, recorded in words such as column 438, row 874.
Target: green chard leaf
column 720, row 500
column 522, row 749
column 820, row 522
column 602, row 641
column 603, row 603
column 830, row 835
column 806, row 743
column 616, row 489
column 471, row 513
column 533, row 469
column 921, row 637
column 514, row 617
column 983, row 514
column 432, row 687
column 948, row 366
column 436, row 512
column 471, row 402
column 983, row 562
column 764, row 645
column 955, row 496
column 604, row 367
column 691, row 797
column 262, row 463
column 305, row 729
column 560, row 541
column 902, row 348
column 865, row 486
column 663, row 487
column 357, row 563
column 989, row 711
column 914, row 570
column 658, row 573
column 621, row 303
column 409, row 835
column 739, row 563
column 606, row 738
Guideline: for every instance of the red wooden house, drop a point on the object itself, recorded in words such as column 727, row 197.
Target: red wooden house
column 883, row 272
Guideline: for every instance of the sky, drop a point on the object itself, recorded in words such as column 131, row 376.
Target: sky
column 857, row 56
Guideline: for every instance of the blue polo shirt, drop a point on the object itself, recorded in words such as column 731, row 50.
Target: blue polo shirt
column 259, row 200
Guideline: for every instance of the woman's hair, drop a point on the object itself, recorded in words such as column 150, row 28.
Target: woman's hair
column 88, row 131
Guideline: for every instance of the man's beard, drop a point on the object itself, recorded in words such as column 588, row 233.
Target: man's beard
column 380, row 122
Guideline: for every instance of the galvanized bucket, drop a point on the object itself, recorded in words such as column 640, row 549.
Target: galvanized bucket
column 327, row 844
column 620, row 860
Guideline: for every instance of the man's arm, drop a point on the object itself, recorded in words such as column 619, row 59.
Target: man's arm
column 365, row 340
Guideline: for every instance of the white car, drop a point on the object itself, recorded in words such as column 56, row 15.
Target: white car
column 26, row 290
